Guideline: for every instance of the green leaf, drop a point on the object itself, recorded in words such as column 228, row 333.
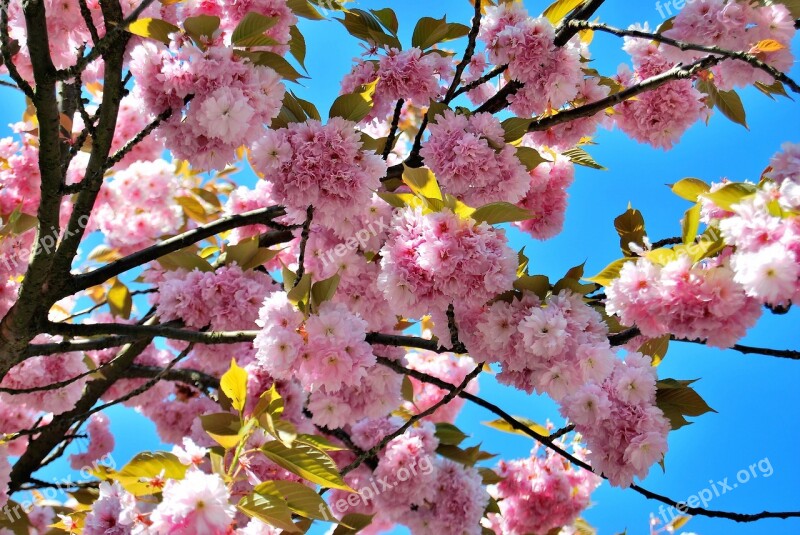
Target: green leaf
column 300, row 293
column 579, row 156
column 407, row 389
column 514, row 128
column 303, row 8
column 201, row 26
column 269, row 509
column 153, row 29
column 119, row 300
column 368, row 27
column 324, row 290
column 449, row 434
column 15, row 519
column 538, row 284
column 252, row 25
column 319, row 442
column 662, row 256
column 136, row 476
column 731, row 194
column 502, row 425
column 560, row 9
column 500, row 212
column 186, row 260
column 467, row 457
column 610, row 273
column 352, row 523
column 223, row 427
column 275, row 62
column 691, row 223
column 297, row 46
column 430, row 31
column 630, row 227
column 689, row 188
column 387, row 18
column 300, row 498
column 307, row 462
column 233, row 384
column 530, row 157
column 677, row 399
column 727, row 102
column 351, row 106
column 242, row 252
column 656, row 348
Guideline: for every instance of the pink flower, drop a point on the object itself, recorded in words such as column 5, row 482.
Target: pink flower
column 114, row 512
column 196, row 504
column 547, row 198
column 472, row 161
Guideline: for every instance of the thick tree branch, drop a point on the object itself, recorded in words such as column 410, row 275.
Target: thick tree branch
column 176, row 243
column 683, row 45
column 678, row 72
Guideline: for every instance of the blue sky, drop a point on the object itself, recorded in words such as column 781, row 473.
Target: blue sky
column 754, row 396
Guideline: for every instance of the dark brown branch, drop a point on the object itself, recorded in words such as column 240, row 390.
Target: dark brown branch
column 452, row 393
column 497, row 71
column 683, row 45
column 150, row 331
column 67, row 346
column 398, row 110
column 5, row 48
column 472, row 38
column 195, row 378
column 678, row 72
column 304, row 235
column 87, row 18
column 176, row 243
column 790, row 354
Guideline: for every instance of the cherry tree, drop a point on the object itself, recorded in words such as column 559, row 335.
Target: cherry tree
column 306, row 343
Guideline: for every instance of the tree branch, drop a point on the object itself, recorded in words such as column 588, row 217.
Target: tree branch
column 780, row 353
column 5, row 48
column 176, row 243
column 683, row 45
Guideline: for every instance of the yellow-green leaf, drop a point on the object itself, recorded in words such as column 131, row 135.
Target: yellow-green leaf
column 300, row 498
column 691, row 223
column 324, row 290
column 422, row 182
column 514, row 128
column 137, row 475
column 690, row 188
column 538, row 284
column 502, row 425
column 252, row 25
column 731, row 194
column 153, row 29
column 223, row 427
column 560, row 9
column 656, row 348
column 449, row 434
column 119, row 300
column 500, row 212
column 351, row 106
column 307, row 462
column 186, row 260
column 610, row 273
column 529, row 157
column 352, row 523
column 269, row 509
column 407, row 389
column 233, row 384
column 201, row 26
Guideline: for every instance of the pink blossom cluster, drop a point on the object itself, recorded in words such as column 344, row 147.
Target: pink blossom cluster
column 618, row 418
column 477, row 65
column 43, row 371
column 130, row 122
column 199, row 503
column 551, row 74
column 232, row 99
column 547, row 197
column 325, row 351
column 430, row 261
column 540, row 493
column 137, row 206
column 411, row 75
column 114, row 511
column 472, row 161
column 226, row 299
column 739, row 26
column 15, row 418
column 311, row 164
column 448, row 367
column 68, row 32
column 101, row 442
column 694, row 301
column 567, row 135
column 232, row 13
column 661, row 116
column 19, row 175
column 429, row 494
column 550, row 347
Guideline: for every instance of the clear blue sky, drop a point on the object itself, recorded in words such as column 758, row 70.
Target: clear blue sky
column 755, row 396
